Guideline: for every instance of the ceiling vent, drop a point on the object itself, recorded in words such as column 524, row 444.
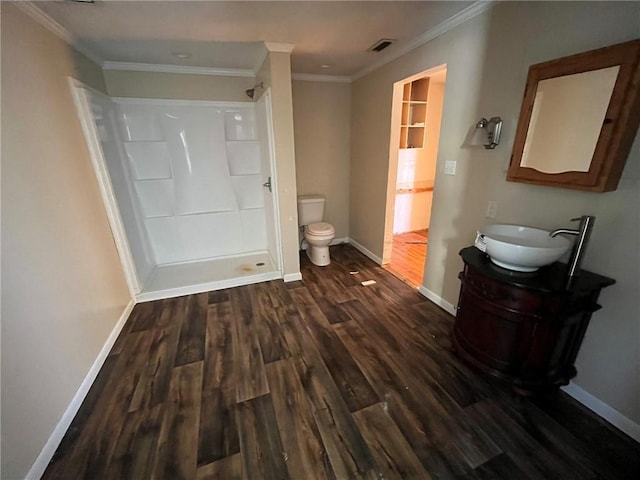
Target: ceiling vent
column 380, row 45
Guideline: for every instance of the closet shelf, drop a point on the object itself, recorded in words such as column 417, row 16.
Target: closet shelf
column 414, row 113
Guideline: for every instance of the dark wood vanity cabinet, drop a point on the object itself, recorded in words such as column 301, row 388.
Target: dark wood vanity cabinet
column 524, row 327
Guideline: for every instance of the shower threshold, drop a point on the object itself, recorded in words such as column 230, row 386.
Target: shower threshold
column 177, row 279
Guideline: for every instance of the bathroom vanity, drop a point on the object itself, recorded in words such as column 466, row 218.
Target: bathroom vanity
column 523, row 327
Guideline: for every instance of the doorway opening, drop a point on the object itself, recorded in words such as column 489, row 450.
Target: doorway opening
column 415, row 132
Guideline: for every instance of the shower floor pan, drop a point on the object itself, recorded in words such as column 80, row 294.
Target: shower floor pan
column 177, row 279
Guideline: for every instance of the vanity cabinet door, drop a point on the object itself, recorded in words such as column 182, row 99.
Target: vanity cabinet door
column 529, row 337
column 552, row 351
column 491, row 337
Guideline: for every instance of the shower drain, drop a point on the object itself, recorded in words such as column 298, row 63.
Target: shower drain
column 260, row 264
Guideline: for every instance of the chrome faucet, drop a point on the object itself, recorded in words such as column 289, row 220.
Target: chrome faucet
column 583, row 233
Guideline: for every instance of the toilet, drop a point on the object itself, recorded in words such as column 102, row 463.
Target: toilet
column 317, row 233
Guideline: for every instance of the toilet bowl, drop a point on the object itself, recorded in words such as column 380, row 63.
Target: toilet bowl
column 317, row 233
column 318, row 236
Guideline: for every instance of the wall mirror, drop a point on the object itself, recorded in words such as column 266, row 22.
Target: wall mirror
column 579, row 117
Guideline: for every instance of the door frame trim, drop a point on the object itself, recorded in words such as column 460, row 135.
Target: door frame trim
column 395, row 120
column 266, row 96
column 82, row 102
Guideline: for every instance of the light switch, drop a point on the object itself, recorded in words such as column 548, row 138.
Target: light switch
column 492, row 209
column 450, row 167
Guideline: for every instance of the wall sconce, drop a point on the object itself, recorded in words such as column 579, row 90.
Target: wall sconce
column 487, row 132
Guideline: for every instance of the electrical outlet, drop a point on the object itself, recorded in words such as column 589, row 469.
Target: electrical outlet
column 450, row 167
column 492, row 209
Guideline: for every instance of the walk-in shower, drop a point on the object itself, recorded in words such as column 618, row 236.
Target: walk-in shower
column 187, row 177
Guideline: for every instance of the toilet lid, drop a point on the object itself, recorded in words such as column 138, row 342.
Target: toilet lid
column 320, row 228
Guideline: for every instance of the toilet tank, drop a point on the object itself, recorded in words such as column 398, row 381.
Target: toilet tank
column 310, row 209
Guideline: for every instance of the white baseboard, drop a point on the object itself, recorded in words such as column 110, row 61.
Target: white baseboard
column 600, row 408
column 292, row 277
column 437, row 299
column 366, row 251
column 594, row 404
column 46, row 454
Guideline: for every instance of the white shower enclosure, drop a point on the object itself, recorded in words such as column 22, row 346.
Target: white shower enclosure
column 194, row 185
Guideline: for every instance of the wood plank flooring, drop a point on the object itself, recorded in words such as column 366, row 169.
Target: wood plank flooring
column 408, row 254
column 319, row 379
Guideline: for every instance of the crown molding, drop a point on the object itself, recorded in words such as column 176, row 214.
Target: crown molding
column 459, row 18
column 270, row 47
column 279, row 47
column 54, row 27
column 182, row 69
column 45, row 20
column 58, row 30
column 307, row 77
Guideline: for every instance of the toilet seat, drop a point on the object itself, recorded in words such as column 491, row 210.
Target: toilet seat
column 320, row 228
column 319, row 236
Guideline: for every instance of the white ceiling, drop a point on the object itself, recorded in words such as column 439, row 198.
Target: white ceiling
column 229, row 34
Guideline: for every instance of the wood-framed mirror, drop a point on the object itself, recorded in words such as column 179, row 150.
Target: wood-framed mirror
column 579, row 117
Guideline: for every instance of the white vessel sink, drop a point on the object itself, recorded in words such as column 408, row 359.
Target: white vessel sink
column 523, row 249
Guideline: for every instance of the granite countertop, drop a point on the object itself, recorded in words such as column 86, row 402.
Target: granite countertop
column 551, row 278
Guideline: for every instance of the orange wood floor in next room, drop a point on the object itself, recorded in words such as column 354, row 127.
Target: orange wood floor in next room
column 408, row 256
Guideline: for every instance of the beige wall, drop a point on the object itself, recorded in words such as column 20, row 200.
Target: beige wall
column 321, row 116
column 275, row 73
column 487, row 60
column 63, row 289
column 123, row 83
column 435, row 103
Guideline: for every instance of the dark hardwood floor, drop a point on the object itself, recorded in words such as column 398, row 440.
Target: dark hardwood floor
column 408, row 254
column 319, row 379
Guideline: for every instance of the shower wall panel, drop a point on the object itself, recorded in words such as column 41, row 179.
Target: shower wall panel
column 197, row 173
column 105, row 119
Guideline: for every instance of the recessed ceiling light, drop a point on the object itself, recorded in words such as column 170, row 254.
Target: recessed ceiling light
column 181, row 54
column 325, row 66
